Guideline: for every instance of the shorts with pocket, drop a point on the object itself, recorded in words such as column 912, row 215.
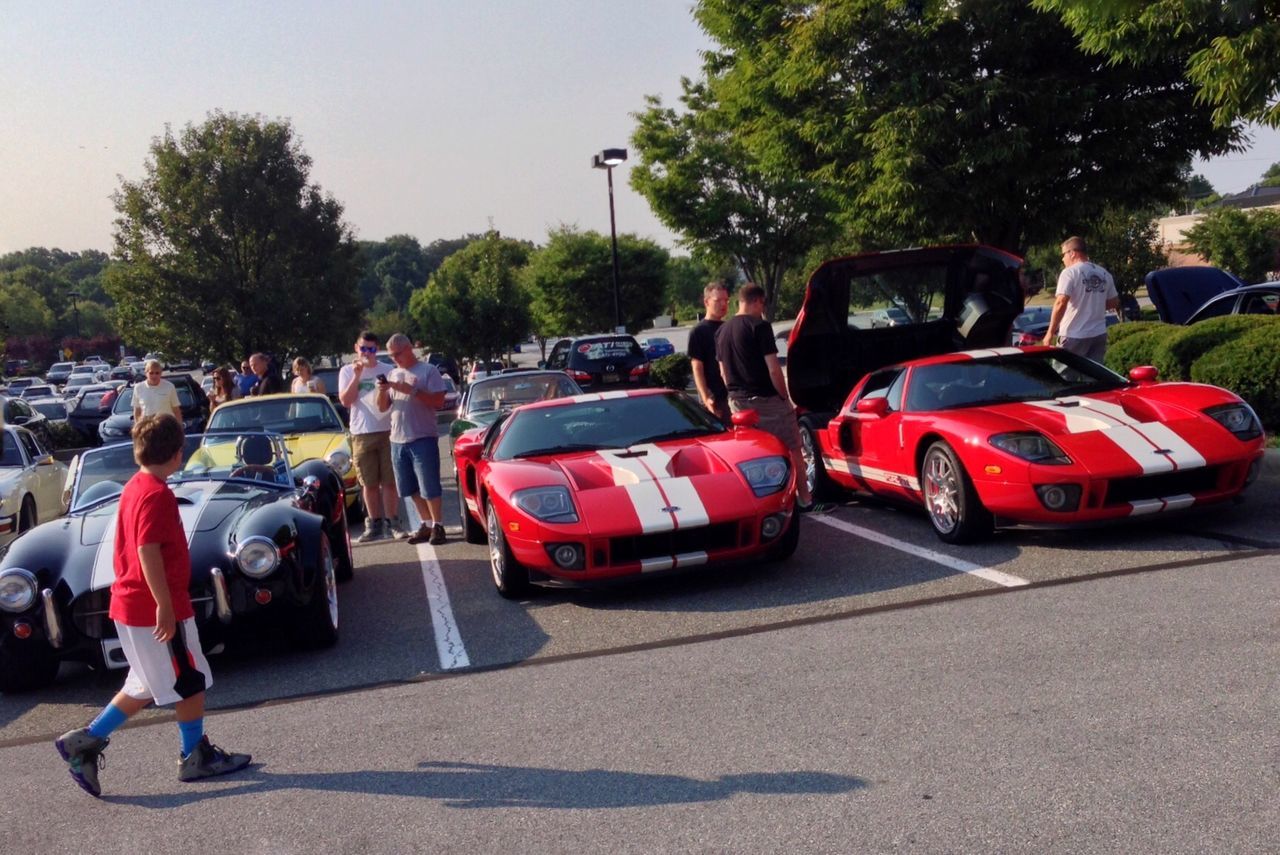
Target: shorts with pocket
column 152, row 669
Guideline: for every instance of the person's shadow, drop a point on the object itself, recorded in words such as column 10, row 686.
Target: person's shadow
column 476, row 785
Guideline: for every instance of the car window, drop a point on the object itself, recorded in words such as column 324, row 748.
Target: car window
column 878, row 384
column 22, row 409
column 1217, row 308
column 29, row 443
column 278, row 415
column 50, row 409
column 9, row 453
column 92, row 401
column 507, row 391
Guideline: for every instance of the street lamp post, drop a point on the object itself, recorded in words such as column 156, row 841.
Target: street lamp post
column 75, row 309
column 607, row 160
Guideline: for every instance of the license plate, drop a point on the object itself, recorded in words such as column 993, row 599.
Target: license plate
column 609, row 378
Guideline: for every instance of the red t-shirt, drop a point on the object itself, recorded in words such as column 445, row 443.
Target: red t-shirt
column 149, row 514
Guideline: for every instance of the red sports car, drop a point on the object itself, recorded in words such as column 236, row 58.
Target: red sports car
column 618, row 484
column 1035, row 436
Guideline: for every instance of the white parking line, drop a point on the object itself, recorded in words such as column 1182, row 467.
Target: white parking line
column 981, row 572
column 449, row 646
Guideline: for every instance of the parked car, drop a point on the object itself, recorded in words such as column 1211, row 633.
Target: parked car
column 890, row 317
column 1030, row 326
column 585, row 489
column 76, row 383
column 191, row 399
column 35, row 391
column 158, row 357
column 16, row 385
column 487, row 399
column 181, row 363
column 89, row 409
column 481, row 369
column 31, row 484
column 1188, row 295
column 446, row 365
column 268, row 546
column 53, row 408
column 95, row 360
column 19, row 412
column 601, row 361
column 16, row 366
column 311, row 428
column 656, row 347
column 207, row 366
column 121, row 372
column 58, row 373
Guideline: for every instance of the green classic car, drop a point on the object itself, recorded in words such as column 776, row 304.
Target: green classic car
column 490, row 397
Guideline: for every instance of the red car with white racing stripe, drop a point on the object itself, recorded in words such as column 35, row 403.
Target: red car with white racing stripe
column 1036, row 436
column 617, row 485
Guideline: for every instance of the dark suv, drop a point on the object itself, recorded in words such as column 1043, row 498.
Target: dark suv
column 601, row 361
column 191, row 398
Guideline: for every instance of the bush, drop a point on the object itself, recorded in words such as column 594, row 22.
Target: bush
column 672, row 372
column 1119, row 332
column 1137, row 347
column 1174, row 356
column 63, row 435
column 1248, row 365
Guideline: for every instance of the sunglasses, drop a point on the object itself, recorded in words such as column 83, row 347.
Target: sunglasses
column 365, row 349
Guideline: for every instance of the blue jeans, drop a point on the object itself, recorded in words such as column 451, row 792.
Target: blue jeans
column 417, row 467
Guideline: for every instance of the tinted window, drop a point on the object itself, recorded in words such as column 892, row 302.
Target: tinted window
column 598, row 350
column 50, row 409
column 29, row 443
column 9, row 453
column 92, row 401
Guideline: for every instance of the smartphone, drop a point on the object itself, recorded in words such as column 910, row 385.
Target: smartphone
column 382, row 379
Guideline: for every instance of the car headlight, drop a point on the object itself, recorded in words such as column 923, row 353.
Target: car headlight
column 17, row 589
column 549, row 504
column 257, row 556
column 766, row 475
column 1032, row 447
column 1239, row 418
column 339, row 460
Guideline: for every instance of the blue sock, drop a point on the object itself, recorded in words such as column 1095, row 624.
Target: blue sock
column 107, row 721
column 192, row 731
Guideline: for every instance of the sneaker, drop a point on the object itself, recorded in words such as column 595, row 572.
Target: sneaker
column 207, row 760
column 83, row 753
column 372, row 531
column 437, row 535
column 392, row 529
column 422, row 535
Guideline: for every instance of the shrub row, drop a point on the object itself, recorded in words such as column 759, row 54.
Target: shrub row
column 1237, row 352
column 671, row 372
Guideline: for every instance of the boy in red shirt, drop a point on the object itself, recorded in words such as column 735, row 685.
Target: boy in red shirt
column 151, row 607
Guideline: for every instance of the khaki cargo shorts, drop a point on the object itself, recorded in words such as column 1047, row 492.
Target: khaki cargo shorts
column 777, row 416
column 371, row 454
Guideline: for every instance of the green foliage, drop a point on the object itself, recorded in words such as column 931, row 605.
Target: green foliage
column 1175, row 354
column 62, row 435
column 393, row 269
column 1138, row 347
column 1247, row 243
column 1228, row 50
column 570, row 281
column 23, row 311
column 474, row 305
column 1248, row 365
column 1271, row 178
column 1126, row 243
column 1120, row 332
column 672, row 372
column 227, row 248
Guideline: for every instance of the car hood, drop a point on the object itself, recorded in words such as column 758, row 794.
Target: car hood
column 313, row 446
column 1178, row 292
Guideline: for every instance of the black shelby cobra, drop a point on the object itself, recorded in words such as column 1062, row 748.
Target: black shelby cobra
column 268, row 544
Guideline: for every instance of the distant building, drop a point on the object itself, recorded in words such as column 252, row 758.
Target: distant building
column 1173, row 228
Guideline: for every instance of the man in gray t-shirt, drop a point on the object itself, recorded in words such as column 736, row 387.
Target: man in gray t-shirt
column 1085, row 292
column 413, row 392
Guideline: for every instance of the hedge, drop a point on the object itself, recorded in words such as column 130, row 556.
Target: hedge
column 1174, row 355
column 673, row 372
column 1119, row 332
column 1137, row 346
column 1248, row 365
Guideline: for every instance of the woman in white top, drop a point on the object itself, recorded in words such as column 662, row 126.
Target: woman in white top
column 156, row 395
column 304, row 380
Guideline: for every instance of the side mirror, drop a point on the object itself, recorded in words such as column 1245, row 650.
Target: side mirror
column 745, row 419
column 1144, row 374
column 470, row 445
column 878, row 407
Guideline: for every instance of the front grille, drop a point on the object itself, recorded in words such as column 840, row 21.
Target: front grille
column 1161, row 486
column 709, row 538
column 89, row 614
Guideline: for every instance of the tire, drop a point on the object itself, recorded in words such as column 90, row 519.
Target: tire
column 790, row 539
column 954, row 509
column 511, row 580
column 319, row 621
column 820, row 486
column 26, row 673
column 472, row 531
column 27, row 516
column 339, row 541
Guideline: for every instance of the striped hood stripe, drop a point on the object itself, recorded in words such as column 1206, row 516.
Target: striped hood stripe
column 661, row 502
column 1154, row 446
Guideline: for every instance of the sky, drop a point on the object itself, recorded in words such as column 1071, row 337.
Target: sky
column 433, row 118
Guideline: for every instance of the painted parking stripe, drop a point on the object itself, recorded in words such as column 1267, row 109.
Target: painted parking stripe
column 449, row 646
column 996, row 576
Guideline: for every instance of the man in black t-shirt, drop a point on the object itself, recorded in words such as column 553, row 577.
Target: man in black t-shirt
column 269, row 381
column 749, row 364
column 702, row 351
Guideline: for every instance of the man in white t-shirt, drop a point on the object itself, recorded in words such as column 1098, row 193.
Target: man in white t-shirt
column 155, row 395
column 370, row 440
column 1085, row 292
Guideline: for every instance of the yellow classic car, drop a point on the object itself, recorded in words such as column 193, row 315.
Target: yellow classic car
column 310, row 426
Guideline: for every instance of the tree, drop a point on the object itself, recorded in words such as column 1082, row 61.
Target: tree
column 474, row 305
column 23, row 311
column 571, row 282
column 1271, row 178
column 1247, row 243
column 225, row 248
column 1127, row 244
column 1229, row 51
column 968, row 120
column 703, row 179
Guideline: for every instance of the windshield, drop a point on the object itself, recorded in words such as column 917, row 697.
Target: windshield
column 278, row 414
column 619, row 422
column 1004, row 379
column 511, row 390
column 101, row 473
